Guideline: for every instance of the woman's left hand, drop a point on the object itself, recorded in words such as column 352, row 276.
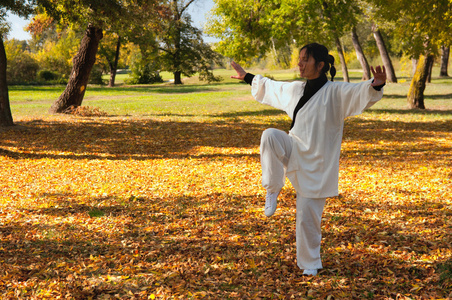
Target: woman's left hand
column 240, row 71
column 379, row 75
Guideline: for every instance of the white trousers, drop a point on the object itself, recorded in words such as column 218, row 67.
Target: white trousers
column 276, row 148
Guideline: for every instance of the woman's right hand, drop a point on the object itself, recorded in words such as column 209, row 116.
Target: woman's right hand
column 240, row 71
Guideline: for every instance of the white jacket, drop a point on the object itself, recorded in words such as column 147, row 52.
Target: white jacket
column 313, row 168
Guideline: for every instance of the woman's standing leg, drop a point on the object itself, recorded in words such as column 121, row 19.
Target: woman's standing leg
column 276, row 147
column 308, row 233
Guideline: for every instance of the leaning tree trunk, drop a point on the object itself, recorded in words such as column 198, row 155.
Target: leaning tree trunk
column 342, row 59
column 445, row 51
column 83, row 63
column 6, row 118
column 415, row 96
column 360, row 55
column 384, row 54
column 114, row 64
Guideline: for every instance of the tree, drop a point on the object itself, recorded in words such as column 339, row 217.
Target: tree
column 338, row 25
column 21, row 8
column 183, row 49
column 109, row 50
column 114, row 63
column 22, row 66
column 251, row 29
column 429, row 23
column 53, row 46
column 244, row 28
column 390, row 73
column 415, row 95
column 6, row 118
column 83, row 63
column 445, row 52
column 98, row 15
column 360, row 55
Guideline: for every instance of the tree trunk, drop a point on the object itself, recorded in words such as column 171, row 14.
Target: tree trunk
column 342, row 59
column 83, row 63
column 384, row 54
column 6, row 118
column 360, row 55
column 414, row 62
column 177, row 77
column 114, row 64
column 445, row 52
column 430, row 68
column 177, row 44
column 415, row 96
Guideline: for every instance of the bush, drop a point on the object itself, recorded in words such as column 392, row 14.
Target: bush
column 22, row 69
column 47, row 75
column 144, row 69
column 144, row 75
column 96, row 76
column 50, row 77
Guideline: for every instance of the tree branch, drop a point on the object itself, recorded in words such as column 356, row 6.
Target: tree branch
column 186, row 6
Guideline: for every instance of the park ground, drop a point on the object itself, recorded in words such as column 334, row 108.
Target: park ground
column 155, row 194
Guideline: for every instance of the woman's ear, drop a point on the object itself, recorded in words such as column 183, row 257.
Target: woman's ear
column 320, row 66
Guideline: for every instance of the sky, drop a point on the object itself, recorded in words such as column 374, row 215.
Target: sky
column 17, row 28
column 197, row 10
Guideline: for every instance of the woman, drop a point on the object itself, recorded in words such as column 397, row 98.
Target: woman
column 309, row 154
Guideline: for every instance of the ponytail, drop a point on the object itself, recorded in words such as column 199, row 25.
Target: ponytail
column 332, row 68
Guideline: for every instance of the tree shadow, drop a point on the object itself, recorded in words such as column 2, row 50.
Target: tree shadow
column 160, row 88
column 420, row 112
column 119, row 139
column 265, row 112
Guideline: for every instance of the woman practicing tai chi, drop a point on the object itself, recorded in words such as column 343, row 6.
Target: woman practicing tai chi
column 309, row 154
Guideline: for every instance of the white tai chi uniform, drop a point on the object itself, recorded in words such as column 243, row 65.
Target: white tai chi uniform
column 309, row 154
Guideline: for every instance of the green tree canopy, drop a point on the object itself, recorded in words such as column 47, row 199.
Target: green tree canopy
column 428, row 22
column 249, row 28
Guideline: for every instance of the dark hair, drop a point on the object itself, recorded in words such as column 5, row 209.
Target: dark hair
column 320, row 53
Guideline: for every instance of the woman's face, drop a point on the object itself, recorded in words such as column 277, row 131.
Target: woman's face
column 307, row 66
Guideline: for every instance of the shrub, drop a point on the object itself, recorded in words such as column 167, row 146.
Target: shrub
column 96, row 76
column 21, row 67
column 47, row 75
column 144, row 75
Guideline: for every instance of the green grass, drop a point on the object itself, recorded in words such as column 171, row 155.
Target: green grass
column 95, row 213
column 201, row 99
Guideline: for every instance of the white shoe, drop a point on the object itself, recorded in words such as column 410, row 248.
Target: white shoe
column 312, row 272
column 270, row 203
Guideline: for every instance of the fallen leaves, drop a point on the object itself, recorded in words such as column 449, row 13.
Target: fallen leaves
column 157, row 209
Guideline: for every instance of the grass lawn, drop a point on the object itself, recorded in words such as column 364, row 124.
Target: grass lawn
column 161, row 198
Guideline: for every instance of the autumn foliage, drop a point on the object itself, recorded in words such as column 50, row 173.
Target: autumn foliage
column 154, row 207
